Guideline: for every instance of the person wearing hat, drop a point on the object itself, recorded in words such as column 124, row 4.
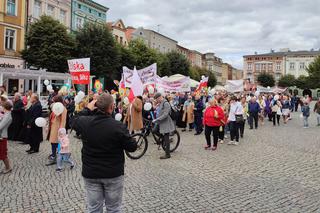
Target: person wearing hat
column 166, row 125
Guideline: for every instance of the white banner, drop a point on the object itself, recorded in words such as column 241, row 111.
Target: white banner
column 147, row 75
column 234, row 86
column 181, row 85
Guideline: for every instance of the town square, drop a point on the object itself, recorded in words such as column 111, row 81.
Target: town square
column 157, row 106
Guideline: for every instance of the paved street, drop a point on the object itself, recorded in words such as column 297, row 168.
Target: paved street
column 274, row 169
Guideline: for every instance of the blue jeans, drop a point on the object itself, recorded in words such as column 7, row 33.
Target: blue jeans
column 106, row 190
column 64, row 157
column 305, row 121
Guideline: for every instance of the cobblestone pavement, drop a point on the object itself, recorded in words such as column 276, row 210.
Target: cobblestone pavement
column 274, row 169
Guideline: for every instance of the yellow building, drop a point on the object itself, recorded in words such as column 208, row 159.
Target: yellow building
column 12, row 36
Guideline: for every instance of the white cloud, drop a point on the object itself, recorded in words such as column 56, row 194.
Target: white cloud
column 230, row 28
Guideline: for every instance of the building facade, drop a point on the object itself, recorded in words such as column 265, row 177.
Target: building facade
column 297, row 62
column 195, row 58
column 183, row 50
column 87, row 11
column 213, row 64
column 118, row 30
column 272, row 63
column 12, row 34
column 57, row 9
column 155, row 40
column 278, row 63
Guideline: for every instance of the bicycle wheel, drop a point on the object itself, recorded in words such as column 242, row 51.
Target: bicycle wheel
column 174, row 139
column 142, row 144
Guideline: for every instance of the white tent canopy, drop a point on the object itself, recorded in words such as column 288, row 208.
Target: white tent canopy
column 193, row 83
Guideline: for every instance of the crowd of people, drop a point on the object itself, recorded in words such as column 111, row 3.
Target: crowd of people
column 219, row 115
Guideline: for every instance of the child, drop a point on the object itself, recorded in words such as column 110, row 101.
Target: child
column 63, row 150
column 305, row 109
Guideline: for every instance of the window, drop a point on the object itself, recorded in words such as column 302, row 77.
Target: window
column 89, row 10
column 278, row 66
column 249, row 66
column 10, row 39
column 117, row 38
column 99, row 14
column 257, row 66
column 263, row 66
column 270, row 67
column 210, row 68
column 79, row 6
column 302, row 66
column 291, row 65
column 37, row 9
column 11, row 7
column 121, row 40
column 50, row 10
column 79, row 22
column 62, row 17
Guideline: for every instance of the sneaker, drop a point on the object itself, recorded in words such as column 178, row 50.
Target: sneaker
column 58, row 170
column 214, row 148
column 165, row 157
column 72, row 166
column 231, row 143
column 221, row 141
column 236, row 143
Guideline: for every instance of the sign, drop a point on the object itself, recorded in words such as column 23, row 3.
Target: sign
column 147, row 75
column 234, row 86
column 80, row 70
column 181, row 85
column 11, row 63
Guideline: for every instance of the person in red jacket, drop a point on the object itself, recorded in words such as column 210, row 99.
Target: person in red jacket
column 212, row 122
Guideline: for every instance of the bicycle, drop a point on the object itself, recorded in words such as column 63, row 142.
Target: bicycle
column 142, row 140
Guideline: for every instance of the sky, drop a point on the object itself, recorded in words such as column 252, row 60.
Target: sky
column 229, row 28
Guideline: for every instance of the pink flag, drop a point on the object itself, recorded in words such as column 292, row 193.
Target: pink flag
column 136, row 85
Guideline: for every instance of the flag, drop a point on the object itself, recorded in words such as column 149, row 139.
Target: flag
column 137, row 85
column 122, row 88
column 203, row 84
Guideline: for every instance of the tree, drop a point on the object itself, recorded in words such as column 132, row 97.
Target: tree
column 314, row 73
column 163, row 65
column 126, row 59
column 178, row 63
column 287, row 81
column 95, row 41
column 196, row 73
column 143, row 56
column 49, row 46
column 265, row 80
column 303, row 82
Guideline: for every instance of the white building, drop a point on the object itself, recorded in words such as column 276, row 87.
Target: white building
column 118, row 30
column 155, row 40
column 297, row 62
column 57, row 9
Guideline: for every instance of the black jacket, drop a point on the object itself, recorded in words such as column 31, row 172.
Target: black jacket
column 34, row 112
column 104, row 140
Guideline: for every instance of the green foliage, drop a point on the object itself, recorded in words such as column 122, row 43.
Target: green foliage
column 314, row 73
column 97, row 43
column 49, row 45
column 303, row 82
column 178, row 63
column 126, row 59
column 265, row 80
column 196, row 73
column 163, row 65
column 287, row 81
column 143, row 56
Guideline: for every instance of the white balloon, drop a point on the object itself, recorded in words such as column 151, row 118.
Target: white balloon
column 118, row 117
column 150, row 89
column 46, row 82
column 49, row 88
column 268, row 87
column 57, row 108
column 202, row 77
column 81, row 94
column 276, row 97
column 147, row 106
column 126, row 100
column 77, row 99
column 41, row 122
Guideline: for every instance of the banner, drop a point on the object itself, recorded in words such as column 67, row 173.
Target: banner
column 181, row 85
column 80, row 70
column 147, row 75
column 234, row 86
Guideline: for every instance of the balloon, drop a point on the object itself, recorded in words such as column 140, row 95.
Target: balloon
column 147, row 106
column 57, row 108
column 41, row 122
column 118, row 117
column 268, row 87
column 49, row 88
column 150, row 89
column 161, row 91
column 46, row 82
column 77, row 99
column 202, row 77
column 81, row 94
column 126, row 100
column 276, row 97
